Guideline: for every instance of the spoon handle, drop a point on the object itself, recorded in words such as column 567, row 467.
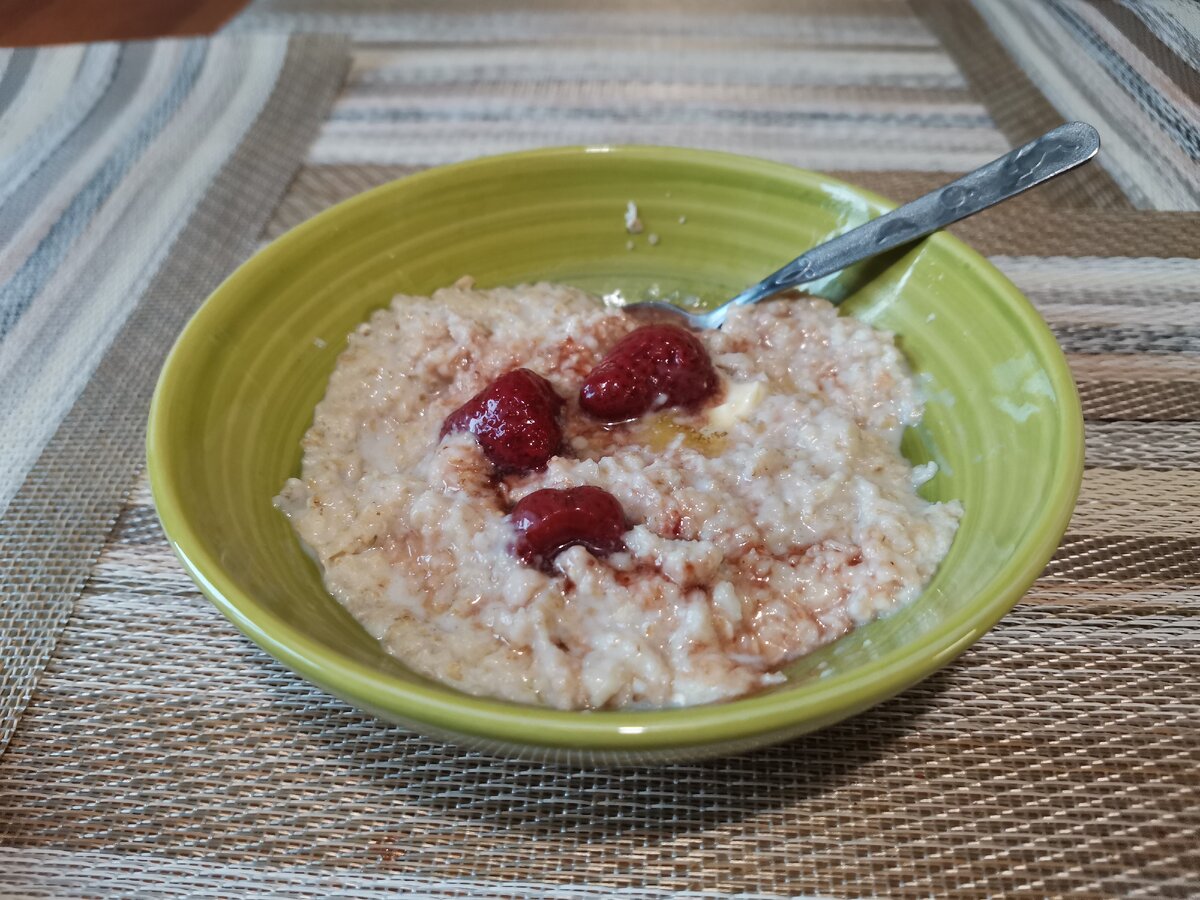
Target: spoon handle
column 1053, row 153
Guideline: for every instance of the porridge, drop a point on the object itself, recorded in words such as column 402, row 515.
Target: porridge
column 526, row 494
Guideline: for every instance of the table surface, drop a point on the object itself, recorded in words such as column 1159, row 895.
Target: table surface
column 148, row 749
column 25, row 23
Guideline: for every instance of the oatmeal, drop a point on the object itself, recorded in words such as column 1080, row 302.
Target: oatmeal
column 675, row 551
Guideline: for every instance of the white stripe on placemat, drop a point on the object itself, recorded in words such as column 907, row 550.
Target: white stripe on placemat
column 1085, row 290
column 852, row 150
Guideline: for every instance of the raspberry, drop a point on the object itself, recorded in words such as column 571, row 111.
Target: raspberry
column 551, row 520
column 515, row 420
column 651, row 368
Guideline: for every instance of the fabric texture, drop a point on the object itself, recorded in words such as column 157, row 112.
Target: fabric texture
column 162, row 754
column 1132, row 70
column 845, row 85
column 127, row 220
column 105, row 150
column 1018, row 108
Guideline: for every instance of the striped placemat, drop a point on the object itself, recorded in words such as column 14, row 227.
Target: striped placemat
column 133, row 178
column 161, row 754
column 862, row 84
column 1132, row 69
column 932, row 85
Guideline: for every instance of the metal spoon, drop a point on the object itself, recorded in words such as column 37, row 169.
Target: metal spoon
column 1055, row 152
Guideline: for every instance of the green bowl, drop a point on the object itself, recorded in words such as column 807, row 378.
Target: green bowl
column 237, row 393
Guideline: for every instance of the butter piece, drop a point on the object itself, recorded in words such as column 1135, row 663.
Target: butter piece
column 741, row 399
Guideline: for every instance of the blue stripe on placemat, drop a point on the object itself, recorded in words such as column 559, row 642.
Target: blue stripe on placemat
column 20, row 61
column 133, row 61
column 95, row 76
column 19, row 291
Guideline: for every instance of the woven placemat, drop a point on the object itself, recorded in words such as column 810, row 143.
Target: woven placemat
column 851, row 84
column 1017, row 107
column 164, row 755
column 54, row 526
column 1131, row 68
column 1056, row 756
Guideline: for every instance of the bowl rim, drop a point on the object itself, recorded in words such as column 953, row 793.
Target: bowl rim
column 445, row 708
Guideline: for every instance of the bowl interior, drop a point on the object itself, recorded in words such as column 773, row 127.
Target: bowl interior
column 237, row 394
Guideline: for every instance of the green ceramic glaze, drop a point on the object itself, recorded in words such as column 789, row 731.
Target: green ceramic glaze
column 237, row 393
